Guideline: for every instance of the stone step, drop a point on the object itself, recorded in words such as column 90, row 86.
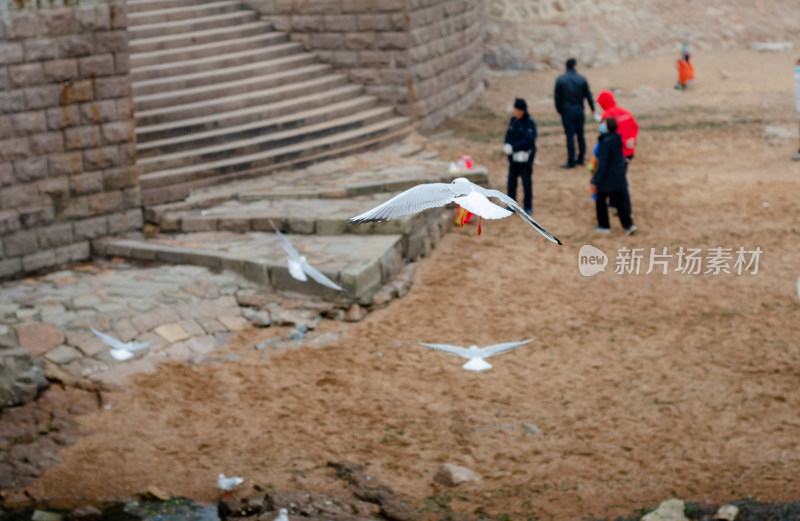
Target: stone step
column 230, row 134
column 228, row 88
column 176, row 186
column 239, row 101
column 137, row 6
column 241, row 72
column 367, row 183
column 215, row 63
column 171, row 14
column 192, row 25
column 143, row 59
column 262, row 142
column 361, row 264
column 245, row 115
column 296, row 213
column 140, row 44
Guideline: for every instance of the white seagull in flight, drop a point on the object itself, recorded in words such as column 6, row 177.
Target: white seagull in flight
column 121, row 350
column 477, row 354
column 299, row 267
column 468, row 195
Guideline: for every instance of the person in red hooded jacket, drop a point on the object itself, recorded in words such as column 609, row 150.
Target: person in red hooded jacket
column 628, row 129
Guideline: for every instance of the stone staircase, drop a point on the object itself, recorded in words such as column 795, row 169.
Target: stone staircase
column 230, row 227
column 220, row 96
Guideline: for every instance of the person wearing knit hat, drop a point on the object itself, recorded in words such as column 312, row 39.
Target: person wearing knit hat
column 520, row 147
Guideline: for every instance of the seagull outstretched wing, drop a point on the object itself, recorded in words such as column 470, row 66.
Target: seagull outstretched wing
column 320, row 277
column 497, row 349
column 413, row 200
column 447, row 348
column 286, row 244
column 518, row 210
column 118, row 344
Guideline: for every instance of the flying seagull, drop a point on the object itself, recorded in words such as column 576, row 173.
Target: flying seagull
column 299, row 267
column 468, row 195
column 121, row 350
column 477, row 354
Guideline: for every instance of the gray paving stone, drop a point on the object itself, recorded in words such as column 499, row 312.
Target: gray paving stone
column 63, row 354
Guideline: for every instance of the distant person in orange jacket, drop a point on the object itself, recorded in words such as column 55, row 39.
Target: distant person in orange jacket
column 627, row 128
column 685, row 70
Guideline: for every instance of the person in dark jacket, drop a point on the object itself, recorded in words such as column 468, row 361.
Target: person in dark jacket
column 520, row 147
column 571, row 89
column 609, row 178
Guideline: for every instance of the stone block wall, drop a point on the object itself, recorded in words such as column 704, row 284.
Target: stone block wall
column 67, row 145
column 422, row 56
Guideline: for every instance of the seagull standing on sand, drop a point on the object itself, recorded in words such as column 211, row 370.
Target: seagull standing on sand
column 468, row 195
column 283, row 515
column 226, row 484
column 121, row 350
column 299, row 267
column 477, row 354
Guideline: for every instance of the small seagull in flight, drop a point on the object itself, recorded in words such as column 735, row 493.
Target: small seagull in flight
column 477, row 354
column 299, row 267
column 468, row 195
column 121, row 350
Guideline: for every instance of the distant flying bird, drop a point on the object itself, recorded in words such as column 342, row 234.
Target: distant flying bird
column 477, row 354
column 461, row 191
column 226, row 484
column 283, row 515
column 299, row 267
column 121, row 350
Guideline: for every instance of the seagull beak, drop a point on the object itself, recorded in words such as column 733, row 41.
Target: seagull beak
column 479, row 224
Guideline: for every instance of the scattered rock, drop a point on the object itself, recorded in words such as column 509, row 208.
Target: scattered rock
column 668, row 510
column 87, row 513
column 21, row 378
column 452, row 475
column 367, row 488
column 155, row 492
column 44, row 515
column 252, row 298
column 39, row 337
column 293, row 317
column 771, row 46
column 256, row 317
column 340, row 315
column 727, row 513
column 355, row 313
column 531, row 428
column 383, row 296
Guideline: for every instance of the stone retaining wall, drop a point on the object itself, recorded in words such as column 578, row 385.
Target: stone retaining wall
column 67, row 145
column 422, row 56
column 542, row 34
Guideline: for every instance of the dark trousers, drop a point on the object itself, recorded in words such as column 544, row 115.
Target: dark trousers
column 627, row 192
column 525, row 171
column 573, row 126
column 618, row 199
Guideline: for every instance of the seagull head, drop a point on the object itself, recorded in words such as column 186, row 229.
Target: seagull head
column 460, row 180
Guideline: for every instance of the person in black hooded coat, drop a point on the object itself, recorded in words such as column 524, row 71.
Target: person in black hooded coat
column 609, row 179
column 520, row 147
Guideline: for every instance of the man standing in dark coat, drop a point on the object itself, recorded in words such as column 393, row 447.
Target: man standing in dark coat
column 520, row 147
column 571, row 89
column 610, row 180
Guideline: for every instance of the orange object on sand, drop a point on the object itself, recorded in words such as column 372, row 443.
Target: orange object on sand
column 685, row 72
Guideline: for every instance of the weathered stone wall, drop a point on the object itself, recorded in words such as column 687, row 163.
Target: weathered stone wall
column 422, row 56
column 67, row 144
column 540, row 34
